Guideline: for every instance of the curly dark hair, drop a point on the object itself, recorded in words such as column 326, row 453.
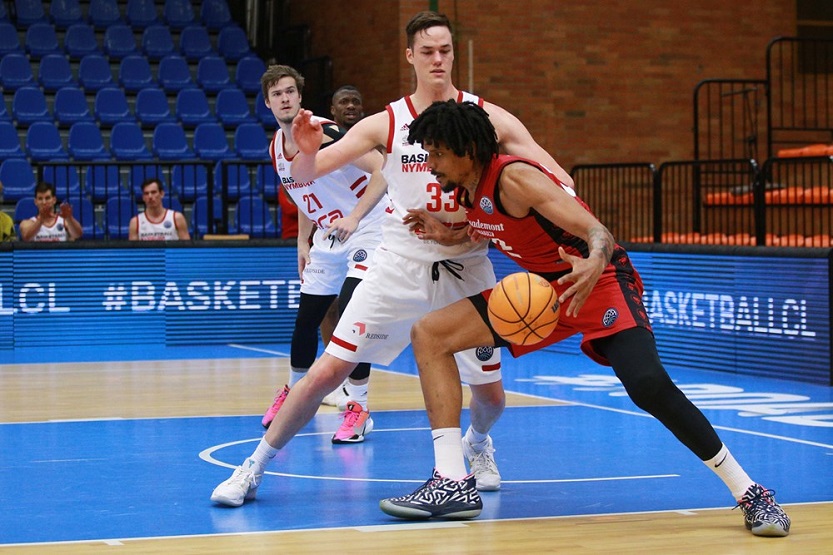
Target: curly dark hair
column 463, row 127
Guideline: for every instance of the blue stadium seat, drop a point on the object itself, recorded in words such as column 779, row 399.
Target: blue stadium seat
column 199, row 215
column 232, row 108
column 192, row 108
column 84, row 211
column 128, row 143
column 25, row 208
column 55, row 73
column 86, row 143
column 43, row 142
column 29, row 12
column 170, row 143
column 111, row 107
column 248, row 73
column 141, row 13
column 117, row 214
column 235, row 178
column 80, row 41
column 65, row 179
column 157, row 42
column 194, row 43
column 119, row 42
column 16, row 72
column 10, row 142
column 104, row 13
column 189, row 181
column 18, row 179
column 267, row 182
column 9, row 42
column 71, row 106
column 212, row 74
column 103, row 182
column 4, row 113
column 41, row 39
column 263, row 113
column 210, row 142
column 232, row 43
column 171, row 202
column 174, row 74
column 178, row 13
column 215, row 14
column 135, row 74
column 250, row 142
column 152, row 108
column 4, row 15
column 65, row 13
column 29, row 106
column 94, row 73
column 253, row 217
column 141, row 172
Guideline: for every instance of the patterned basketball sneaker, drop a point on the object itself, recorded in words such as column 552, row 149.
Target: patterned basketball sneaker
column 276, row 406
column 761, row 514
column 438, row 497
column 242, row 486
column 356, row 424
column 483, row 466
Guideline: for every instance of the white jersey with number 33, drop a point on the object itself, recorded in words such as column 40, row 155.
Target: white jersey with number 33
column 411, row 185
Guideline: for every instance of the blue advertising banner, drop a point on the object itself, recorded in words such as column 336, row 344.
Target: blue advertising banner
column 756, row 315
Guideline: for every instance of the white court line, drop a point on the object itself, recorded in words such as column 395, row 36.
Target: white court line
column 208, row 456
column 257, row 350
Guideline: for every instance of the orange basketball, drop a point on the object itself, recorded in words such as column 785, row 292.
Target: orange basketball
column 523, row 308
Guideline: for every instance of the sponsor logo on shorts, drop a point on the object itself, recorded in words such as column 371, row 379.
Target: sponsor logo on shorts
column 359, row 328
column 611, row 314
column 484, row 353
column 486, row 205
column 360, row 255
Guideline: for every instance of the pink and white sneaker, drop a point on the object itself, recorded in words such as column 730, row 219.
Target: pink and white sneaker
column 276, row 406
column 356, row 424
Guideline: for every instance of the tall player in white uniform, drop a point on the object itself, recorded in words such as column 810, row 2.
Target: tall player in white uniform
column 49, row 226
column 410, row 276
column 345, row 211
column 157, row 223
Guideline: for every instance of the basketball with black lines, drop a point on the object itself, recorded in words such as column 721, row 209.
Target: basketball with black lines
column 524, row 308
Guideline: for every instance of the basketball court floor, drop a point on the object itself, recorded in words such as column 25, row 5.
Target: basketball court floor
column 118, row 451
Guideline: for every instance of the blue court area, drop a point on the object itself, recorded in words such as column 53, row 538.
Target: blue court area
column 118, row 479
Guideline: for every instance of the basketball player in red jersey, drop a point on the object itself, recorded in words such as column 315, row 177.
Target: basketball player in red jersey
column 543, row 226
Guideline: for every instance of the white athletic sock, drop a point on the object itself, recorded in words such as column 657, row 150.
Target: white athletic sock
column 357, row 393
column 476, row 439
column 295, row 375
column 258, row 460
column 727, row 469
column 448, row 453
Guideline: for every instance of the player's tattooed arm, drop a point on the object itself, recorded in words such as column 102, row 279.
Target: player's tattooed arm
column 601, row 242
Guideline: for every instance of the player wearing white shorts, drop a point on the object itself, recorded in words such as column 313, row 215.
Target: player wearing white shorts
column 343, row 209
column 405, row 264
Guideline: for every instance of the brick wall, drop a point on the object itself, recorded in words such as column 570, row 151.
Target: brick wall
column 595, row 81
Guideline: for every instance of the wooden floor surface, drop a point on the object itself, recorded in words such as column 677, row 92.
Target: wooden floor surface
column 40, row 392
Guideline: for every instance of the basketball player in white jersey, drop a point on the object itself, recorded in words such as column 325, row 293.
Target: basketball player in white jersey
column 49, row 226
column 344, row 209
column 157, row 223
column 410, row 277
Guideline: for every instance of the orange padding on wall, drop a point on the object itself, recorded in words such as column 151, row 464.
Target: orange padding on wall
column 809, row 150
column 771, row 240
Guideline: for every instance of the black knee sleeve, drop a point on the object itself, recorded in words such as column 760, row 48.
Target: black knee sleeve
column 311, row 311
column 634, row 358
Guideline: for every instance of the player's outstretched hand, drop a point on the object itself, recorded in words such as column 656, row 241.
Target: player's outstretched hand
column 307, row 132
column 429, row 228
column 584, row 275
